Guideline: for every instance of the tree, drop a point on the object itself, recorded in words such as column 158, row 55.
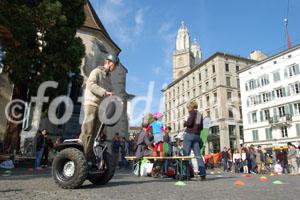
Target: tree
column 43, row 46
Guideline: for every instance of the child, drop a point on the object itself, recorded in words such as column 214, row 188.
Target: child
column 158, row 133
column 277, row 168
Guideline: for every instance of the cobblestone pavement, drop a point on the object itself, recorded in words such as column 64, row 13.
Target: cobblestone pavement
column 24, row 184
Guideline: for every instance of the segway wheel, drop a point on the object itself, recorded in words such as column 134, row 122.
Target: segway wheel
column 108, row 173
column 69, row 168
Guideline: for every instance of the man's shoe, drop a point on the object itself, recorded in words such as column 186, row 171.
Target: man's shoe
column 203, row 178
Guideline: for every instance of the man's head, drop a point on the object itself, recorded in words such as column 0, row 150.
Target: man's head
column 259, row 147
column 111, row 62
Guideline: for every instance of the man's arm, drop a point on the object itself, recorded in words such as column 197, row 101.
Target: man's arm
column 148, row 143
column 93, row 86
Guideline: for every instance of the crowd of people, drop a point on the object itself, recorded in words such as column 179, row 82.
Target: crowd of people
column 256, row 160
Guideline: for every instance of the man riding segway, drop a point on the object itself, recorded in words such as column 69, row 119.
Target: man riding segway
column 87, row 157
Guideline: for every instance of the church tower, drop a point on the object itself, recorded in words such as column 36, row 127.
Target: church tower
column 185, row 55
column 196, row 51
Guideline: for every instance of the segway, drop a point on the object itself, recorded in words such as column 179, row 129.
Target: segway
column 70, row 168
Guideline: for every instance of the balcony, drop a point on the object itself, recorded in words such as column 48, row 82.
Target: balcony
column 280, row 120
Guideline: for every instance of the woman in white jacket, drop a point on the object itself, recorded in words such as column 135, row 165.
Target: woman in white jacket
column 236, row 161
column 244, row 161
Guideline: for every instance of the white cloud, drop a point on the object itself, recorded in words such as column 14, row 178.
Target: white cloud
column 116, row 2
column 139, row 21
column 121, row 21
column 156, row 70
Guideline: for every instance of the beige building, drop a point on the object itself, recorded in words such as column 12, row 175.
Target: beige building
column 214, row 84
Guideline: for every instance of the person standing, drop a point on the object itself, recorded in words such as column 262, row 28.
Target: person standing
column 194, row 125
column 98, row 86
column 252, row 159
column 40, row 147
column 47, row 148
column 116, row 144
column 237, row 160
column 282, row 157
column 225, row 158
column 230, row 158
column 144, row 146
column 124, row 151
column 260, row 159
column 167, row 140
column 244, row 161
column 292, row 159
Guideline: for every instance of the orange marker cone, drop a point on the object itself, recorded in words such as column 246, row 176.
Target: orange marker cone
column 239, row 183
column 263, row 179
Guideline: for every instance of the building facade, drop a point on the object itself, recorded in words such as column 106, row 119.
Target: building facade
column 270, row 92
column 214, row 84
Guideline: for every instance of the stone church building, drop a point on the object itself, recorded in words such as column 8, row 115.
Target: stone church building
column 97, row 43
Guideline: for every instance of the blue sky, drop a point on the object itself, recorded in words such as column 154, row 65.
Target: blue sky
column 146, row 31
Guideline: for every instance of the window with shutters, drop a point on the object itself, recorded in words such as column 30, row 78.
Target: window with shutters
column 230, row 113
column 214, row 82
column 206, row 73
column 227, row 67
column 215, row 97
column 269, row 135
column 252, row 84
column 298, row 129
column 229, row 95
column 266, row 114
column 279, row 92
column 207, row 101
column 295, row 87
column 284, row 131
column 207, row 86
column 228, row 84
column 266, row 97
column 276, row 76
column 264, row 80
column 281, row 111
column 254, row 117
column 255, row 135
column 297, row 108
column 292, row 70
column 213, row 68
